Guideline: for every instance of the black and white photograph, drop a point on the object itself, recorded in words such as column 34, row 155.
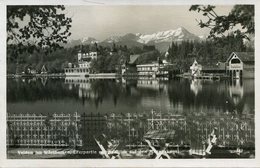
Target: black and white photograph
column 133, row 81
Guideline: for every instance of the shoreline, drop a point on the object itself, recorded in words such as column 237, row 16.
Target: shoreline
column 115, row 75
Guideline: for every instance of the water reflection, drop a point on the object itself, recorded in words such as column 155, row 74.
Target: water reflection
column 114, row 117
column 195, row 86
column 132, row 94
column 236, row 90
column 139, row 135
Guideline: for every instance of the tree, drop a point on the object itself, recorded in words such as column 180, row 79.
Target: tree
column 240, row 15
column 35, row 27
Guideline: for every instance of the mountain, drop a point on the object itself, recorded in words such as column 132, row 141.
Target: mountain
column 112, row 39
column 82, row 41
column 129, row 39
column 89, row 40
column 179, row 34
column 161, row 39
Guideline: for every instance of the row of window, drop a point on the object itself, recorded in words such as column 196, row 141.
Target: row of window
column 92, row 54
column 145, row 73
column 78, row 80
column 147, row 69
column 84, row 65
column 77, row 70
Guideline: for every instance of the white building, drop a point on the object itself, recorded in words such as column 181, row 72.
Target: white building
column 147, row 69
column 153, row 69
column 195, row 69
column 85, row 59
column 84, row 64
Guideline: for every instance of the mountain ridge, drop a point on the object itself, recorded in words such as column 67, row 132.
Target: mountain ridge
column 160, row 39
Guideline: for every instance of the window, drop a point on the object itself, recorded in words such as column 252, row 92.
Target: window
column 235, row 61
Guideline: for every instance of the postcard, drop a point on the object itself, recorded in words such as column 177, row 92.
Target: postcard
column 129, row 84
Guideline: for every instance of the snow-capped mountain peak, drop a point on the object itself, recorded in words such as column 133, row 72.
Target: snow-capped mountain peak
column 178, row 34
column 89, row 40
column 160, row 39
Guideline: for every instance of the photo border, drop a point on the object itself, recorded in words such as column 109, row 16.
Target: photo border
column 124, row 162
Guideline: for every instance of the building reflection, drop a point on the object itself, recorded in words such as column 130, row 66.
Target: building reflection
column 152, row 83
column 172, row 93
column 84, row 87
column 127, row 133
column 236, row 91
column 195, row 86
column 44, row 80
column 97, row 89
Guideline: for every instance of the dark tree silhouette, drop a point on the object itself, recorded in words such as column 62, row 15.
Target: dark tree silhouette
column 242, row 15
column 37, row 27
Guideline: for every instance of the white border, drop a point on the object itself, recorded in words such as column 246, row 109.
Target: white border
column 125, row 162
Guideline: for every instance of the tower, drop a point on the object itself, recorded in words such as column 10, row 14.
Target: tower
column 79, row 56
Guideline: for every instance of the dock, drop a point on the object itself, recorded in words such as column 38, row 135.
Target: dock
column 210, row 77
column 103, row 75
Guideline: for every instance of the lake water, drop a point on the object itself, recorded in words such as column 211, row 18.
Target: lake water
column 129, row 96
column 134, row 109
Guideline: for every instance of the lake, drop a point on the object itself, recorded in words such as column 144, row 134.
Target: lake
column 128, row 96
column 180, row 111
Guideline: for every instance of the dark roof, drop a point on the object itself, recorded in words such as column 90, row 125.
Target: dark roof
column 243, row 56
column 44, row 67
column 246, row 56
column 215, row 67
column 133, row 58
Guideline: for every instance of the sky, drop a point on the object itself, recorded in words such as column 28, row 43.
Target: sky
column 102, row 21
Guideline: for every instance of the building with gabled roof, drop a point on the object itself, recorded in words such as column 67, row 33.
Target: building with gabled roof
column 237, row 65
column 44, row 70
column 133, row 58
column 129, row 67
column 241, row 64
column 195, row 69
column 246, row 57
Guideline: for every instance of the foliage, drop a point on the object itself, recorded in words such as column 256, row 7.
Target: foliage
column 208, row 52
column 110, row 62
column 54, row 61
column 148, row 57
column 107, row 63
column 33, row 28
column 57, row 60
column 240, row 15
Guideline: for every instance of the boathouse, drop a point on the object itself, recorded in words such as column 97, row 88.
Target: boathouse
column 240, row 64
